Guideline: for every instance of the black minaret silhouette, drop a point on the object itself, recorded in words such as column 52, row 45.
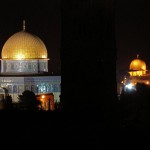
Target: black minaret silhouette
column 88, row 56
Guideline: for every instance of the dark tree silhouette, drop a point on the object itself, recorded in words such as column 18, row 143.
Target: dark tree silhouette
column 135, row 106
column 28, row 101
column 8, row 102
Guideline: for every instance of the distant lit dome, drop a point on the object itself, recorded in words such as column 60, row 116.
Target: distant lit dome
column 138, row 64
column 23, row 45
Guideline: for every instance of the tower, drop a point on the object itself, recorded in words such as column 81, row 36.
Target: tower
column 88, row 55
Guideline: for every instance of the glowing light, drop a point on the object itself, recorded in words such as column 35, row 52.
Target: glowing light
column 43, row 96
column 129, row 86
column 43, row 56
column 20, row 56
column 147, row 82
column 143, row 67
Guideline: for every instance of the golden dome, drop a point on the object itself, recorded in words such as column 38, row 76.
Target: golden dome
column 138, row 64
column 23, row 45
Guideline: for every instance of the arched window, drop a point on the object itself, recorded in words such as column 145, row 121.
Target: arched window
column 33, row 89
column 48, row 88
column 52, row 88
column 15, row 89
column 43, row 89
column 27, row 87
column 20, row 88
column 9, row 88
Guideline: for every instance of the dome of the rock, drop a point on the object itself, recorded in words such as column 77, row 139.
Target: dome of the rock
column 24, row 45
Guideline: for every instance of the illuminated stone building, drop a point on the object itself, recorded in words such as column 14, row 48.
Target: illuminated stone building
column 137, row 67
column 138, row 73
column 24, row 66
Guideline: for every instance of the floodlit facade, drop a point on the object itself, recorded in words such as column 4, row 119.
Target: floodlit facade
column 24, row 66
column 24, row 53
column 137, row 67
column 137, row 74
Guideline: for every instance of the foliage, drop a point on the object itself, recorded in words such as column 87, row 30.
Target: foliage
column 28, row 101
column 7, row 102
column 135, row 106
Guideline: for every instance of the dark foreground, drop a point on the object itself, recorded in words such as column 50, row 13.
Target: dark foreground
column 68, row 130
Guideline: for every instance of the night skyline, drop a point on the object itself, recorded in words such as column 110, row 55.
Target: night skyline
column 44, row 20
column 89, row 103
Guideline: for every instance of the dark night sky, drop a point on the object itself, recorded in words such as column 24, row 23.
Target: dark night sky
column 132, row 31
column 42, row 19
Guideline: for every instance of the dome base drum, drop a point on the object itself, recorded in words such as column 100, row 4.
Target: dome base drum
column 24, row 66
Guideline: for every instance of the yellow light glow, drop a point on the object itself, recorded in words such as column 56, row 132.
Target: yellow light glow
column 43, row 96
column 135, row 63
column 143, row 67
column 43, row 56
column 20, row 56
column 147, row 82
